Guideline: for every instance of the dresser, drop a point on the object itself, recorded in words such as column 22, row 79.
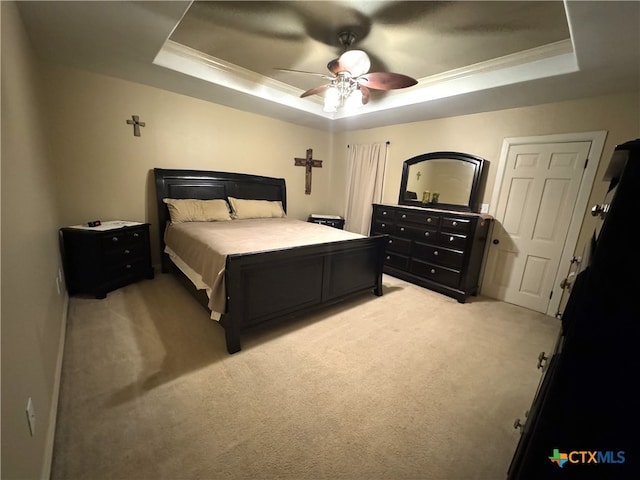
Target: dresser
column 101, row 259
column 583, row 420
column 439, row 249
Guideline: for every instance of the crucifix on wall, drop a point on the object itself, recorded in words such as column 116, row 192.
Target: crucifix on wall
column 308, row 162
column 135, row 121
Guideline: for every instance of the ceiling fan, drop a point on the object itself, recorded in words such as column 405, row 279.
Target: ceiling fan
column 350, row 81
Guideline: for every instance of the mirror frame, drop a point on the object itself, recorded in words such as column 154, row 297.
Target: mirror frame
column 480, row 168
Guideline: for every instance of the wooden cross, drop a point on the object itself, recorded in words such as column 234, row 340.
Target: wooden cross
column 135, row 121
column 308, row 163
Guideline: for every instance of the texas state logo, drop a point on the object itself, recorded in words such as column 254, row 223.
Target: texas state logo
column 586, row 457
column 559, row 458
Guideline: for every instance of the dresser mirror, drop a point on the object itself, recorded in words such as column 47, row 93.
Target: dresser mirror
column 446, row 180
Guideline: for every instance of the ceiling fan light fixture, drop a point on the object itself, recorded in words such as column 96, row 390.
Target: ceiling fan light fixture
column 353, row 101
column 331, row 99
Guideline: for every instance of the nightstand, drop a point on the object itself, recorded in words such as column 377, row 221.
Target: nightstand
column 100, row 259
column 331, row 220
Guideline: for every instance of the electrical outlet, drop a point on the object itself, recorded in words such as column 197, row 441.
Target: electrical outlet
column 484, row 208
column 31, row 417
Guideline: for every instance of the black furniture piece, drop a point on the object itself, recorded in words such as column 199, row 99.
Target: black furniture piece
column 437, row 238
column 270, row 285
column 583, row 420
column 98, row 261
column 438, row 249
column 330, row 220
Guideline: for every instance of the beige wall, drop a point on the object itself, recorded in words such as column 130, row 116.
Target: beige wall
column 32, row 308
column 482, row 134
column 74, row 159
column 103, row 172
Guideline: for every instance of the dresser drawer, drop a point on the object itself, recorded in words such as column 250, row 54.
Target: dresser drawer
column 422, row 218
column 383, row 226
column 455, row 225
column 439, row 255
column 452, row 240
column 395, row 260
column 400, row 245
column 435, row 273
column 383, row 214
column 416, row 233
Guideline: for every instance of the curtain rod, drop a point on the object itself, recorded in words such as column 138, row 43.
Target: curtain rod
column 387, row 142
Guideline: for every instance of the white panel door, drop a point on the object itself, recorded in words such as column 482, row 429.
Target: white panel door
column 535, row 206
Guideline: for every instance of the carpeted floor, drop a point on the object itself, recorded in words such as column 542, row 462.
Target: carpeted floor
column 410, row 385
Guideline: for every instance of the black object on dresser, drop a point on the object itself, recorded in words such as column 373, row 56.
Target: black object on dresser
column 101, row 259
column 583, row 422
column 438, row 249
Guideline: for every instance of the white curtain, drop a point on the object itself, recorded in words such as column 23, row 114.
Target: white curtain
column 365, row 177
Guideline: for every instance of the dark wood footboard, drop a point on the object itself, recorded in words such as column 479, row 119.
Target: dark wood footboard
column 275, row 284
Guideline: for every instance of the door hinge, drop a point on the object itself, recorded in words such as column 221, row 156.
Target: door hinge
column 586, row 162
column 551, row 295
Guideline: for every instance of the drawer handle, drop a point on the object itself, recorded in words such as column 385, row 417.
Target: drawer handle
column 390, row 241
column 114, row 239
column 402, row 229
column 384, row 213
column 435, row 252
column 426, row 234
column 127, row 252
column 136, row 235
column 384, row 225
column 433, row 270
column 455, row 224
column 128, row 266
column 451, row 239
column 429, row 220
column 388, row 257
column 404, row 216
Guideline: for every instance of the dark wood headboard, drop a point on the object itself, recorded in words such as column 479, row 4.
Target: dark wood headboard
column 206, row 185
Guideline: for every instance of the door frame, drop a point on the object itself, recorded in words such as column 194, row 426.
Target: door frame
column 597, row 139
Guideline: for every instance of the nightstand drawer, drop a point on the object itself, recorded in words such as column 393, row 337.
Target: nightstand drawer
column 120, row 239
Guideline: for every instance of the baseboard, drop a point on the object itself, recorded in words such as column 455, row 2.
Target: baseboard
column 55, row 395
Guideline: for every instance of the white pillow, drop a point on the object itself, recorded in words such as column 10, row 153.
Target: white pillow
column 193, row 210
column 243, row 208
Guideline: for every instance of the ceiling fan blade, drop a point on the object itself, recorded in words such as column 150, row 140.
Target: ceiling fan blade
column 386, row 81
column 288, row 70
column 315, row 91
column 366, row 94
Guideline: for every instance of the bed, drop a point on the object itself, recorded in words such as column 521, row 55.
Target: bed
column 260, row 283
